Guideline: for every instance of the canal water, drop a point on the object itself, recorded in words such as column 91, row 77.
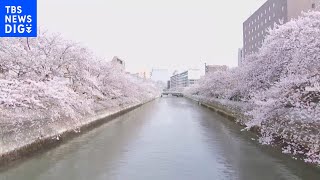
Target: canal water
column 167, row 139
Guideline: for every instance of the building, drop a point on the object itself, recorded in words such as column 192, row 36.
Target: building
column 160, row 75
column 144, row 74
column 168, row 85
column 185, row 79
column 240, row 56
column 214, row 68
column 119, row 63
column 273, row 11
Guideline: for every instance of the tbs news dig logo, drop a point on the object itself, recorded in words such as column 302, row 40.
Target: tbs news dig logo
column 18, row 18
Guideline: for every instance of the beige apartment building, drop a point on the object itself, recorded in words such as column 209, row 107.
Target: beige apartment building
column 271, row 12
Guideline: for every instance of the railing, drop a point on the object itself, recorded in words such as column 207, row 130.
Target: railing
column 177, row 94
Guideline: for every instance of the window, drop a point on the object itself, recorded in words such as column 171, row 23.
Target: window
column 313, row 6
column 282, row 8
column 274, row 4
column 274, row 14
column 269, row 18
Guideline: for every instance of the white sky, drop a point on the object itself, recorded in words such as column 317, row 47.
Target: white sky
column 172, row 34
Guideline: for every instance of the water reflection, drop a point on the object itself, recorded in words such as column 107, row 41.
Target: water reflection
column 170, row 138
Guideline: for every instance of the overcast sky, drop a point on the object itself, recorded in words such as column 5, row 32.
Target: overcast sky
column 173, row 34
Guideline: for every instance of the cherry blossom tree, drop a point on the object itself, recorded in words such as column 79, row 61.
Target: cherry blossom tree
column 282, row 82
column 51, row 78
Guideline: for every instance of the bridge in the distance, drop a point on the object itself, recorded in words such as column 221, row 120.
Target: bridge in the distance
column 172, row 93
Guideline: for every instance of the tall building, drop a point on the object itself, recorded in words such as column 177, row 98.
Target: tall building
column 160, row 75
column 273, row 11
column 185, row 79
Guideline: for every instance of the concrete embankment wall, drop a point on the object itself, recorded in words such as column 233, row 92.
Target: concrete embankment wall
column 229, row 113
column 35, row 139
column 232, row 113
column 238, row 116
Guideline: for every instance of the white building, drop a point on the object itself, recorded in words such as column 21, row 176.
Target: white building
column 185, row 79
column 160, row 75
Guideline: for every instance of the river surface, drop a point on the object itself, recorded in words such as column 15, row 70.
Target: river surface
column 167, row 139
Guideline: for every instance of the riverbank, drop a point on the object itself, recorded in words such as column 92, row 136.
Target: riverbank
column 169, row 138
column 235, row 111
column 52, row 134
column 224, row 110
column 280, row 84
column 56, row 89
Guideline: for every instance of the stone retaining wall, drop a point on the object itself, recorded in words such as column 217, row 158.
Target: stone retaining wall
column 45, row 135
column 281, row 140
